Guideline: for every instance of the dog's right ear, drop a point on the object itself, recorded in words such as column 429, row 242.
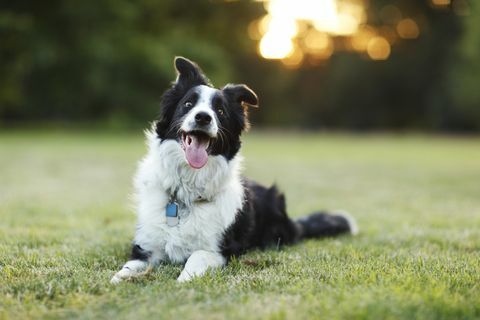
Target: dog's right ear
column 189, row 74
column 241, row 94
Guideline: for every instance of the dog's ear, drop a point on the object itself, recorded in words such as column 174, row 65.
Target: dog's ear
column 242, row 94
column 189, row 74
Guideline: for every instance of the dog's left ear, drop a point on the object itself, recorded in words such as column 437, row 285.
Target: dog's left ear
column 242, row 94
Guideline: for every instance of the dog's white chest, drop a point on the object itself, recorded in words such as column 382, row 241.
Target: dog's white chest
column 196, row 230
column 201, row 224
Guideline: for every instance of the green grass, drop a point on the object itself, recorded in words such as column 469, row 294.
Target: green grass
column 66, row 224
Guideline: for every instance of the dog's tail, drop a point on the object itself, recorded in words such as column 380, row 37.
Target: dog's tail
column 322, row 224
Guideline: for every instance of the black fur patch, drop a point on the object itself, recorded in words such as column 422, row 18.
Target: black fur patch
column 321, row 224
column 139, row 254
column 262, row 222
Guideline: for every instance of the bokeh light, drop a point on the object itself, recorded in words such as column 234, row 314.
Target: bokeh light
column 360, row 40
column 293, row 31
column 408, row 29
column 378, row 48
column 294, row 59
column 441, row 2
column 390, row 14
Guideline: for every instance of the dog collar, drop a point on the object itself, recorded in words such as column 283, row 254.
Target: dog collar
column 171, row 210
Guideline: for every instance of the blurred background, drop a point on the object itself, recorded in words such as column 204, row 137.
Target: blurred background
column 80, row 79
column 315, row 64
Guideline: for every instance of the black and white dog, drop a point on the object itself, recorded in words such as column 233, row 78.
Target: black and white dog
column 193, row 204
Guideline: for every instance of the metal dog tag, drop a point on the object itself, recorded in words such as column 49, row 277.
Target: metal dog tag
column 171, row 212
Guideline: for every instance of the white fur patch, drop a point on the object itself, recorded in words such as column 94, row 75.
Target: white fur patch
column 201, row 223
column 204, row 104
column 199, row 262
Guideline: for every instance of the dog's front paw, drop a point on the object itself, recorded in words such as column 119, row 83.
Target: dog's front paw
column 184, row 276
column 120, row 276
column 131, row 269
column 116, row 279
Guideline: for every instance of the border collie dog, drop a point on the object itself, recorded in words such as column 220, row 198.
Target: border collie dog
column 193, row 205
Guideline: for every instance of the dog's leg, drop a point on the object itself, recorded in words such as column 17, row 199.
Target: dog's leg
column 135, row 267
column 199, row 262
column 131, row 269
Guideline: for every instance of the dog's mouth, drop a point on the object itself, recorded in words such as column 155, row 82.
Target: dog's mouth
column 196, row 146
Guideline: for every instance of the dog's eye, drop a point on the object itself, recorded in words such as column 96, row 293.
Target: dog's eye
column 220, row 111
column 188, row 104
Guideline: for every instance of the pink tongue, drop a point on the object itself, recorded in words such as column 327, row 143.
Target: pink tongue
column 196, row 151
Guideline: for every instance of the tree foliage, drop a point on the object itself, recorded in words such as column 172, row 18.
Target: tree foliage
column 464, row 75
column 110, row 61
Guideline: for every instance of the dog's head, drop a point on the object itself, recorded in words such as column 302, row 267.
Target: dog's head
column 202, row 119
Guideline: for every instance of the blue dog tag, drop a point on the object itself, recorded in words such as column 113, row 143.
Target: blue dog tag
column 171, row 212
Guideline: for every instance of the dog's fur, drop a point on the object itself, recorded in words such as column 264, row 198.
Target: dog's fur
column 193, row 159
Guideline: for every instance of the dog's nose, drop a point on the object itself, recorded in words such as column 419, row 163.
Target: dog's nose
column 203, row 118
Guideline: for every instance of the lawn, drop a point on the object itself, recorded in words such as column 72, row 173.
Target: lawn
column 67, row 222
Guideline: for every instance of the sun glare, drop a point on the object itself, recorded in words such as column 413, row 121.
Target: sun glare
column 275, row 46
column 292, row 31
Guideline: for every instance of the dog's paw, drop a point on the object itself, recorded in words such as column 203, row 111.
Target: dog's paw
column 121, row 275
column 116, row 280
column 131, row 269
column 185, row 276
